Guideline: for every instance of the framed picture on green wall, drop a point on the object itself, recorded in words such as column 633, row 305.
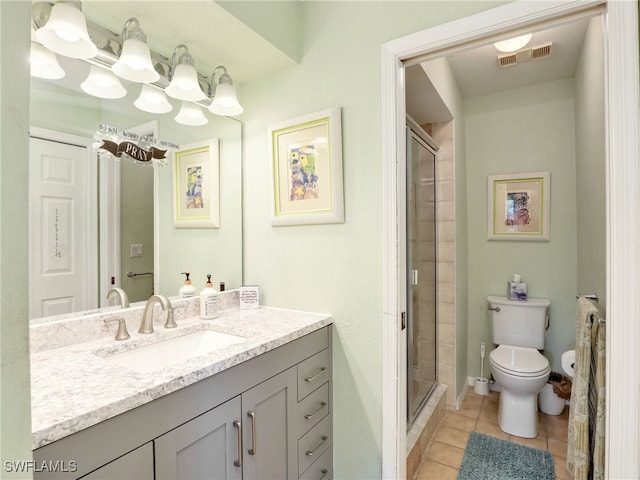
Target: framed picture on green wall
column 518, row 206
column 196, row 186
column 306, row 169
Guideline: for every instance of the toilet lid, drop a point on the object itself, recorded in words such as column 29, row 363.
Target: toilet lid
column 520, row 361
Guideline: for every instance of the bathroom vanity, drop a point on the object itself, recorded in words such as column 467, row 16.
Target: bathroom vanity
column 259, row 407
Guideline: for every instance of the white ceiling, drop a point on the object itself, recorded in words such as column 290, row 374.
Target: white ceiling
column 477, row 71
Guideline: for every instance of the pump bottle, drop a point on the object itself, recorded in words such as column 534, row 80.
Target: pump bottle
column 187, row 290
column 209, row 301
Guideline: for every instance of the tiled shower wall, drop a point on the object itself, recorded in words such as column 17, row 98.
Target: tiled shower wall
column 442, row 133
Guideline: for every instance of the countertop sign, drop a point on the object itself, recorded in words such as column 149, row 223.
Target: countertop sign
column 249, row 297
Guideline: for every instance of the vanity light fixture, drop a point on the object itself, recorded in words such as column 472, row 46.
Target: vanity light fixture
column 44, row 63
column 103, row 84
column 184, row 78
column 152, row 100
column 134, row 63
column 191, row 114
column 225, row 102
column 66, row 32
column 513, row 44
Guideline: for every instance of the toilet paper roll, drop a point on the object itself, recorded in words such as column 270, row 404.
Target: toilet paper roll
column 567, row 360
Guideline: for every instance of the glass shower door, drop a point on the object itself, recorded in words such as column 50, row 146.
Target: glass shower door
column 421, row 272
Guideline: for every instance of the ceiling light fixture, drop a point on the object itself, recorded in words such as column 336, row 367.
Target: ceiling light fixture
column 103, row 84
column 513, row 44
column 66, row 32
column 44, row 63
column 135, row 63
column 152, row 100
column 191, row 114
column 184, row 77
column 225, row 102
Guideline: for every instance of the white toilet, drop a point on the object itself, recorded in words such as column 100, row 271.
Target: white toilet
column 517, row 366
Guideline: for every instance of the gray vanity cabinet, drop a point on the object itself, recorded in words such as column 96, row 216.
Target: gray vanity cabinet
column 207, row 447
column 266, row 418
column 135, row 465
column 269, row 430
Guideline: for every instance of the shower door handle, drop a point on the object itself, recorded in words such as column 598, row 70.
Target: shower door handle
column 414, row 277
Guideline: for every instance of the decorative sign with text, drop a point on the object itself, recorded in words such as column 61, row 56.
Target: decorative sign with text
column 142, row 149
column 249, row 297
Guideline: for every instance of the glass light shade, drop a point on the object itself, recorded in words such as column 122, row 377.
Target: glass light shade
column 103, row 84
column 225, row 101
column 44, row 63
column 152, row 100
column 513, row 44
column 135, row 63
column 184, row 84
column 191, row 114
column 66, row 33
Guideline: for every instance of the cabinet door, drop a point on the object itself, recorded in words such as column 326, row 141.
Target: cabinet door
column 270, row 451
column 135, row 465
column 206, row 447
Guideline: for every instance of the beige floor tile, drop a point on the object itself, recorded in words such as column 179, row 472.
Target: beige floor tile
column 452, row 436
column 557, row 431
column 460, row 422
column 433, row 470
column 558, row 448
column 445, row 454
column 471, row 411
column 540, row 442
column 560, row 465
column 491, row 429
column 480, row 413
column 471, row 399
column 489, row 414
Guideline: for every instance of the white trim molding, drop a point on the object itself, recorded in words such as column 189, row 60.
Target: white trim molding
column 623, row 195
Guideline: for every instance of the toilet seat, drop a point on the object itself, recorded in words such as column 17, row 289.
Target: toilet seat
column 519, row 361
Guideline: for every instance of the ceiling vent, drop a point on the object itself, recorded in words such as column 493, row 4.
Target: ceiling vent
column 525, row 55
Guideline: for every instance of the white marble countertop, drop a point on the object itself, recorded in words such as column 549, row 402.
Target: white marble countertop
column 73, row 387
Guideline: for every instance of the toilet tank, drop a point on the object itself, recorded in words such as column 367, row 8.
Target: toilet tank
column 519, row 323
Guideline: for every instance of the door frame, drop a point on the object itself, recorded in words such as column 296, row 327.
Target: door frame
column 91, row 217
column 623, row 195
column 111, row 250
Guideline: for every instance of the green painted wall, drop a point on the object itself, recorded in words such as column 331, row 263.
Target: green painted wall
column 591, row 166
column 335, row 268
column 528, row 129
column 15, row 398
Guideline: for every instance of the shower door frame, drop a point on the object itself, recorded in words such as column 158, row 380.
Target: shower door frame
column 423, row 138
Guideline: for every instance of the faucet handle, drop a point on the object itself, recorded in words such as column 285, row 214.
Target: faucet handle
column 122, row 333
column 171, row 321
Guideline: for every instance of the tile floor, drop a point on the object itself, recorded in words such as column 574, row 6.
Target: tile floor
column 480, row 413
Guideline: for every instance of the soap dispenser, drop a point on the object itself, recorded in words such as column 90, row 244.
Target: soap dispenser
column 187, row 289
column 209, row 301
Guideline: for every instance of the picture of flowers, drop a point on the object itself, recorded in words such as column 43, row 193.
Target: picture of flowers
column 306, row 169
column 302, row 165
column 518, row 206
column 197, row 186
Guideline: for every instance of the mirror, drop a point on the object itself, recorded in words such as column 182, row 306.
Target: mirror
column 165, row 251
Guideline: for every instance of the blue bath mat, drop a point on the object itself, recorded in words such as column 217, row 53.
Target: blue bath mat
column 489, row 458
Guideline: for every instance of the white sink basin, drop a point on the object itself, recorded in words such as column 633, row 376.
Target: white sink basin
column 169, row 352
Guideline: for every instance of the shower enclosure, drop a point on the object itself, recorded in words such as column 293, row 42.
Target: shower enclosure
column 421, row 268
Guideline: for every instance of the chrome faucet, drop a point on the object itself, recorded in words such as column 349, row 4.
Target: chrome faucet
column 121, row 294
column 146, row 326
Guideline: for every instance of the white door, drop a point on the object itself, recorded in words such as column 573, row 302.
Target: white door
column 60, row 248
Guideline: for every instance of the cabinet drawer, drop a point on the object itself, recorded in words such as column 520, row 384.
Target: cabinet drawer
column 321, row 469
column 314, row 444
column 313, row 372
column 312, row 409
